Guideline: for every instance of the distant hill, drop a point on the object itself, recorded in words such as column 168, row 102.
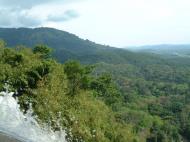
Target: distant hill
column 69, row 46
column 182, row 50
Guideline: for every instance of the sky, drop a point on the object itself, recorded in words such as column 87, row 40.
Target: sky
column 118, row 23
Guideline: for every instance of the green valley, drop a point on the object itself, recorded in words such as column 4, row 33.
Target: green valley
column 101, row 93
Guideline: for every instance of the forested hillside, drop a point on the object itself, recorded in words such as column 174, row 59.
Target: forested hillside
column 114, row 95
column 68, row 93
column 68, row 46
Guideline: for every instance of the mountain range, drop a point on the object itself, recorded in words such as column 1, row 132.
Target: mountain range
column 69, row 46
column 180, row 50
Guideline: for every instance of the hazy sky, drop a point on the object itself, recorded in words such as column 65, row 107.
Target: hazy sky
column 115, row 22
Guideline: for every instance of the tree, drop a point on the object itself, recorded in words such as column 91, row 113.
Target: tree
column 2, row 43
column 43, row 50
column 12, row 58
column 77, row 75
column 106, row 89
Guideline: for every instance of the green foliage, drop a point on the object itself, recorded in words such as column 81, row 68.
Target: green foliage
column 2, row 43
column 77, row 75
column 43, row 50
column 46, row 84
column 163, row 132
column 106, row 89
column 141, row 98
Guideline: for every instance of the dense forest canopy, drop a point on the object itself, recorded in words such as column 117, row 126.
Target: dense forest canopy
column 113, row 95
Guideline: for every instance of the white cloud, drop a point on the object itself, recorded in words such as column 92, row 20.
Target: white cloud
column 66, row 16
column 132, row 22
column 32, row 13
column 115, row 22
column 13, row 17
column 25, row 4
